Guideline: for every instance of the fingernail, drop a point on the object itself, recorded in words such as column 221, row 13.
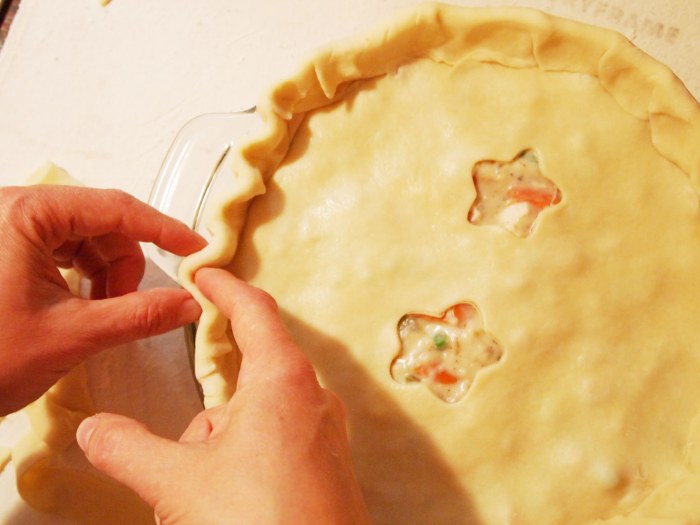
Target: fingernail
column 189, row 311
column 201, row 239
column 85, row 430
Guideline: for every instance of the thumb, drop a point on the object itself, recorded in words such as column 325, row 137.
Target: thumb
column 127, row 451
column 105, row 323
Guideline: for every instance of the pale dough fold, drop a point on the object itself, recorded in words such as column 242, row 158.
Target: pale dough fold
column 352, row 211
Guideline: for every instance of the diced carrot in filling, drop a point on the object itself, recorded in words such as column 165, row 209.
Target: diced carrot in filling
column 540, row 198
column 511, row 194
column 464, row 312
column 444, row 353
column 445, row 378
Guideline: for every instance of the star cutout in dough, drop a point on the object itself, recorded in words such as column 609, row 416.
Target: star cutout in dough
column 512, row 194
column 444, row 353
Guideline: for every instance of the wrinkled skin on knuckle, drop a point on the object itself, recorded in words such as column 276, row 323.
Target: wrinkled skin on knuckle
column 11, row 195
column 300, row 376
column 119, row 198
column 8, row 199
column 146, row 320
column 16, row 206
column 295, row 388
column 29, row 211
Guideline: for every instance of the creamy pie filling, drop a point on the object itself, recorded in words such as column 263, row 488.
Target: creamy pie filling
column 512, row 194
column 444, row 353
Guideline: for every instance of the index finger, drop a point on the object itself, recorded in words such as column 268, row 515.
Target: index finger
column 255, row 320
column 60, row 213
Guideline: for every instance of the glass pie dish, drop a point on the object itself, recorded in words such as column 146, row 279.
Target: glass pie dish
column 195, row 168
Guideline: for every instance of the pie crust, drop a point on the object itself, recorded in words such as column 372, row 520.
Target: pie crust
column 351, row 210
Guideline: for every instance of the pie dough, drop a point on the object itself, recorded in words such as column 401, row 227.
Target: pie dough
column 351, row 210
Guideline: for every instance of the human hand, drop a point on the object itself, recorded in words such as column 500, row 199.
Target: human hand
column 45, row 330
column 276, row 454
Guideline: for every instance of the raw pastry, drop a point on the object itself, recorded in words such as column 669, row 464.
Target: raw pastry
column 353, row 210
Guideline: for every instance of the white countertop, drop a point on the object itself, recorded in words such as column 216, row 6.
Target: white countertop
column 102, row 91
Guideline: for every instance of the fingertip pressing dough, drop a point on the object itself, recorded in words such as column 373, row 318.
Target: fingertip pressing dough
column 353, row 211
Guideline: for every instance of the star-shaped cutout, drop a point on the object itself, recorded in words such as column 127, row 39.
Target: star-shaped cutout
column 512, row 194
column 444, row 353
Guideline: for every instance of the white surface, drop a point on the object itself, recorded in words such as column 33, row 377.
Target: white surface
column 102, row 91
